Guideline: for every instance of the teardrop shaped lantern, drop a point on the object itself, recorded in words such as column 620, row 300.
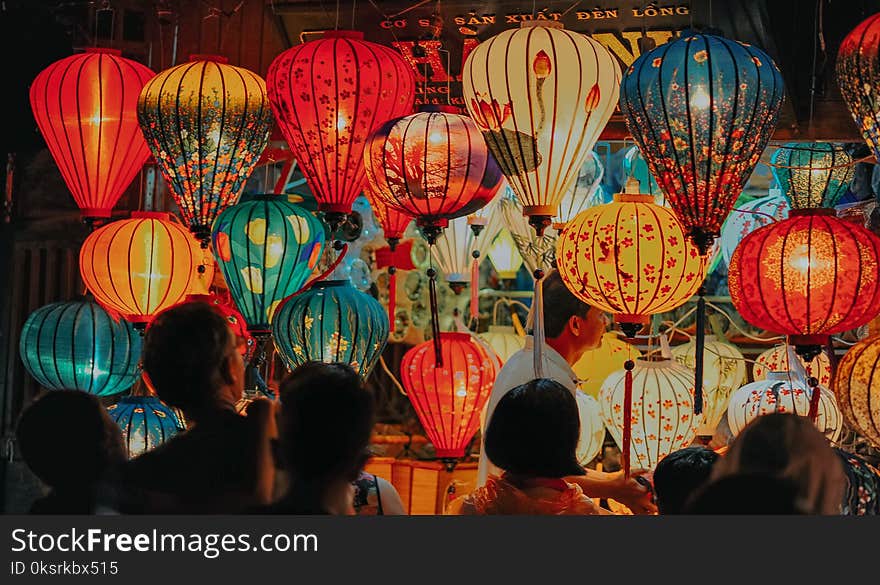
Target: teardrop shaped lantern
column 813, row 174
column 328, row 95
column 536, row 250
column 86, row 108
column 597, row 364
column 857, row 389
column 585, row 192
column 433, row 165
column 702, row 109
column 207, row 123
column 393, row 222
column 541, row 95
column 449, row 398
column 592, row 435
column 77, row 345
column 775, row 359
column 807, row 277
column 858, row 75
column 748, row 216
column 146, row 423
column 267, row 248
column 331, row 322
column 139, row 266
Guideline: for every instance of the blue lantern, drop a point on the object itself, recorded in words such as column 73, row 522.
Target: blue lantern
column 77, row 346
column 813, row 174
column 267, row 248
column 146, row 423
column 331, row 322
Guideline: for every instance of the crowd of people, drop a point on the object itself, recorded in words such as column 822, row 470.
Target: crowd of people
column 306, row 453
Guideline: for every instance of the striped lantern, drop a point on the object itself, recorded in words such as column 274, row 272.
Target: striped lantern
column 857, row 389
column 748, row 216
column 146, row 423
column 813, row 174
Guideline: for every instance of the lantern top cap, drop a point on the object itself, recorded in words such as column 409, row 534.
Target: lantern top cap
column 208, row 57
column 542, row 23
column 456, row 336
column 343, row 34
column 441, row 109
column 104, row 51
column 151, row 215
column 633, row 198
column 808, row 211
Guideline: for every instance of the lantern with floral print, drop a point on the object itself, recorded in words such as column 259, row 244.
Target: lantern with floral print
column 748, row 216
column 597, row 364
column 267, row 248
column 775, row 359
column 592, row 428
column 813, row 174
column 207, row 123
column 662, row 410
column 857, row 389
column 86, row 108
column 541, row 95
column 331, row 322
column 448, row 398
column 808, row 277
column 858, row 75
column 630, row 258
column 139, row 266
column 328, row 95
column 537, row 251
column 146, row 423
column 702, row 109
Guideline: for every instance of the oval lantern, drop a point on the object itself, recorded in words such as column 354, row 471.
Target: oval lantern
column 597, row 364
column 592, row 435
column 328, row 95
column 813, row 174
column 748, row 216
column 701, row 109
column 207, row 123
column 541, row 95
column 857, row 389
column 775, row 359
column 146, row 423
column 331, row 322
column 139, row 266
column 504, row 341
column 630, row 258
column 77, row 345
column 455, row 248
column 86, row 108
column 807, row 277
column 724, row 371
column 449, row 398
column 858, row 75
column 267, row 248
column 663, row 418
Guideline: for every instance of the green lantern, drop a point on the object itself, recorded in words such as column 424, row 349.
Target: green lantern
column 267, row 248
column 331, row 322
column 813, row 174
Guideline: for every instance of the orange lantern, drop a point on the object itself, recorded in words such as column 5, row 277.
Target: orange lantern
column 858, row 393
column 140, row 266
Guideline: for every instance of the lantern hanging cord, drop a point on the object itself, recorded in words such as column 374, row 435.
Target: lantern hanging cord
column 740, row 329
column 394, row 380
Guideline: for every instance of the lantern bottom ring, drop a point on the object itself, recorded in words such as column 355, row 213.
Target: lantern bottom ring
column 808, row 346
column 702, row 240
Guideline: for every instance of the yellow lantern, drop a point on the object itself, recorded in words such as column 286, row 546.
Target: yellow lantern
column 597, row 364
column 724, row 370
column 857, row 389
column 775, row 359
column 504, row 341
column 504, row 256
column 592, row 428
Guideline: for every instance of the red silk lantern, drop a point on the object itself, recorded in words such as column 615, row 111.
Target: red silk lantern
column 86, row 108
column 450, row 397
column 808, row 277
column 858, row 72
column 328, row 95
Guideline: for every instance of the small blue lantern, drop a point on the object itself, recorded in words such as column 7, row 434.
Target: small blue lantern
column 146, row 423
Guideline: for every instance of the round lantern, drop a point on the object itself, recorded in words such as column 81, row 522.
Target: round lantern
column 597, row 364
column 584, row 192
column 86, row 108
column 331, row 322
column 813, row 174
column 701, row 109
column 749, row 216
column 808, row 277
column 536, row 251
column 541, row 95
column 858, row 75
column 328, row 95
column 267, row 248
column 783, row 392
column 207, row 124
column 663, row 418
column 857, row 389
column 775, row 359
column 724, row 370
column 504, row 341
column 146, row 423
column 449, row 398
column 630, row 258
column 78, row 346
column 433, row 165
column 139, row 266
column 592, row 428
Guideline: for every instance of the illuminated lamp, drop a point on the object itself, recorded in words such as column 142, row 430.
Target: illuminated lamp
column 536, row 251
column 266, row 248
column 457, row 247
column 328, row 95
column 813, row 174
column 86, row 108
column 541, row 95
column 504, row 341
column 701, row 110
column 504, row 256
column 449, row 398
column 77, row 345
column 139, row 266
column 393, row 222
column 207, row 123
column 592, row 435
column 597, row 364
column 634, row 166
column 858, row 75
column 775, row 359
column 584, row 192
column 146, row 423
column 748, row 216
column 331, row 322
column 857, row 389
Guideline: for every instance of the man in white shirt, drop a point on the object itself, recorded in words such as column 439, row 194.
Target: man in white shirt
column 571, row 327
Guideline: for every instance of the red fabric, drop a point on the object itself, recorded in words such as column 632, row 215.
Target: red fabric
column 393, row 222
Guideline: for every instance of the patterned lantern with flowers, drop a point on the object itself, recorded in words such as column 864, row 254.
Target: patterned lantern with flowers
column 775, row 359
column 748, row 216
column 207, row 123
column 857, row 389
column 701, row 109
column 858, row 75
column 813, row 174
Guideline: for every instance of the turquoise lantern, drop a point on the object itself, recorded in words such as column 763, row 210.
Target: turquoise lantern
column 77, row 345
column 267, row 248
column 146, row 423
column 331, row 322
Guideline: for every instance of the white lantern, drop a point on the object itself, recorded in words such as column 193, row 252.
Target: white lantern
column 592, row 428
column 775, row 359
column 504, row 341
column 455, row 246
column 504, row 256
column 583, row 192
column 663, row 418
column 536, row 251
column 751, row 215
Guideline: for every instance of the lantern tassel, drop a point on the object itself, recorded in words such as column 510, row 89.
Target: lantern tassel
column 627, row 417
column 435, row 319
column 538, row 324
column 392, row 296
column 701, row 345
column 814, row 398
column 475, row 287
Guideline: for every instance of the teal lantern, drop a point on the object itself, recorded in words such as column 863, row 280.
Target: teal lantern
column 77, row 345
column 331, row 322
column 267, row 248
column 813, row 174
column 146, row 423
